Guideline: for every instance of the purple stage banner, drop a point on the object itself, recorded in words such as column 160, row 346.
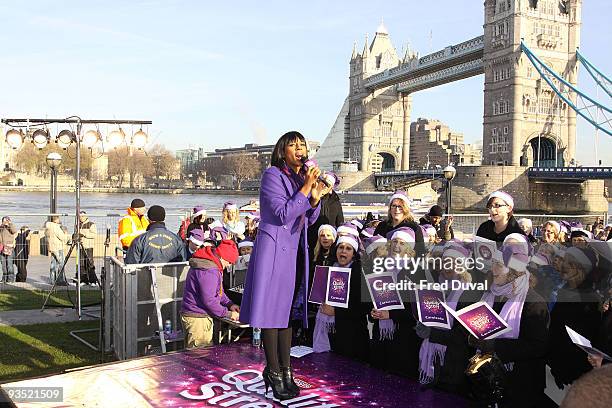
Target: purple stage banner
column 230, row 376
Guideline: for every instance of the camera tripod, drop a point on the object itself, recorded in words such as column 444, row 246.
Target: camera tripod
column 61, row 274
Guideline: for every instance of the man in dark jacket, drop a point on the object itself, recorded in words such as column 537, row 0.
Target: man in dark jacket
column 22, row 253
column 443, row 226
column 331, row 210
column 157, row 244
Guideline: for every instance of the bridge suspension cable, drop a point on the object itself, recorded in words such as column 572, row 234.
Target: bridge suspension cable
column 592, row 111
column 599, row 77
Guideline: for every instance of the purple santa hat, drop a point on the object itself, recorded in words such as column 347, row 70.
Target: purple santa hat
column 565, row 226
column 197, row 236
column 198, row 210
column 502, row 195
column 329, row 228
column 402, row 195
column 368, row 232
column 515, row 256
column 332, row 179
column 245, row 243
column 358, row 223
column 348, row 228
column 428, row 229
column 455, row 250
column 230, row 205
column 374, row 242
column 540, row 259
column 406, row 234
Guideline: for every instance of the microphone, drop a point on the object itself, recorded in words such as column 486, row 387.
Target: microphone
column 308, row 163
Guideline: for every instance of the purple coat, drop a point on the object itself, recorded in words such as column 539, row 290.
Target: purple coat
column 285, row 216
column 202, row 290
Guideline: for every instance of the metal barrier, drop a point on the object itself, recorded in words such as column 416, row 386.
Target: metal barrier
column 138, row 300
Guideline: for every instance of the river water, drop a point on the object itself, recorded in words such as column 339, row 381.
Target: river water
column 20, row 205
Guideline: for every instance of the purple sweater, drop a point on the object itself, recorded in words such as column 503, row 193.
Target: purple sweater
column 202, row 286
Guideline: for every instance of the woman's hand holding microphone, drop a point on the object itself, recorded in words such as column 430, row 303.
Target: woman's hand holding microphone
column 312, row 184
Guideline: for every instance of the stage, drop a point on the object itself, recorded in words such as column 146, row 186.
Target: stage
column 230, row 376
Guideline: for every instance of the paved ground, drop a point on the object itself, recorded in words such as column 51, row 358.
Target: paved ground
column 38, row 278
column 21, row 317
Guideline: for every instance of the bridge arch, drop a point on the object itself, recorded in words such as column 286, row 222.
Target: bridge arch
column 383, row 161
column 545, row 152
column 551, row 156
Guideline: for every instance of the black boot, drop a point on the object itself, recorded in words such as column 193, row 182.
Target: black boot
column 275, row 381
column 290, row 385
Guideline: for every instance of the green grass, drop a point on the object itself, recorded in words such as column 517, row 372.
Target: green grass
column 41, row 349
column 34, row 299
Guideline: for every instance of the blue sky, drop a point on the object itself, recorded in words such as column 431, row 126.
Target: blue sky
column 217, row 74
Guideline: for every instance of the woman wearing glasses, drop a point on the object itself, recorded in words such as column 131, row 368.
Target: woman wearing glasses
column 501, row 223
column 399, row 216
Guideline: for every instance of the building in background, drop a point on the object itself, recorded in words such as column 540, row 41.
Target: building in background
column 240, row 167
column 189, row 159
column 434, row 143
column 7, row 155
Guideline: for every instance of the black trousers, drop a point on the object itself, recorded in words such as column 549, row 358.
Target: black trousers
column 22, row 270
column 88, row 269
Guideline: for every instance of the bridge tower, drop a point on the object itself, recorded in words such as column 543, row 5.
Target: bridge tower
column 378, row 124
column 524, row 122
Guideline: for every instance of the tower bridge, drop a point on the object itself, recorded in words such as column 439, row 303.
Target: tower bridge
column 527, row 56
column 524, row 121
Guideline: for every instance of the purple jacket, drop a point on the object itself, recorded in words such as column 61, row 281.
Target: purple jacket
column 202, row 286
column 285, row 216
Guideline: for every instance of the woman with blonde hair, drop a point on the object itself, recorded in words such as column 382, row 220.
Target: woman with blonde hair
column 231, row 221
column 400, row 216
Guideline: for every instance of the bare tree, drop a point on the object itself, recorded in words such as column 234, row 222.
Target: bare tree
column 163, row 162
column 33, row 160
column 123, row 161
column 242, row 166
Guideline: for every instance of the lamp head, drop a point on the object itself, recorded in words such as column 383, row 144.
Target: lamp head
column 14, row 138
column 40, row 138
column 139, row 139
column 65, row 138
column 449, row 172
column 115, row 138
column 54, row 160
column 90, row 138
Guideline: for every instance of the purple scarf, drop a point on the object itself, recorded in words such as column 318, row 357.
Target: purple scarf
column 324, row 325
column 386, row 327
column 297, row 180
column 432, row 352
column 515, row 292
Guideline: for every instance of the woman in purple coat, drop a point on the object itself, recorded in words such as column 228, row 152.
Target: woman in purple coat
column 278, row 269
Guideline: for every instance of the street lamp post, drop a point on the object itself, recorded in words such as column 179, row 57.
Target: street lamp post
column 53, row 161
column 449, row 175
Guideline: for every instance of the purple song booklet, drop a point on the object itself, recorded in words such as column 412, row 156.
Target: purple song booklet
column 319, row 285
column 480, row 320
column 430, row 310
column 338, row 287
column 383, row 296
